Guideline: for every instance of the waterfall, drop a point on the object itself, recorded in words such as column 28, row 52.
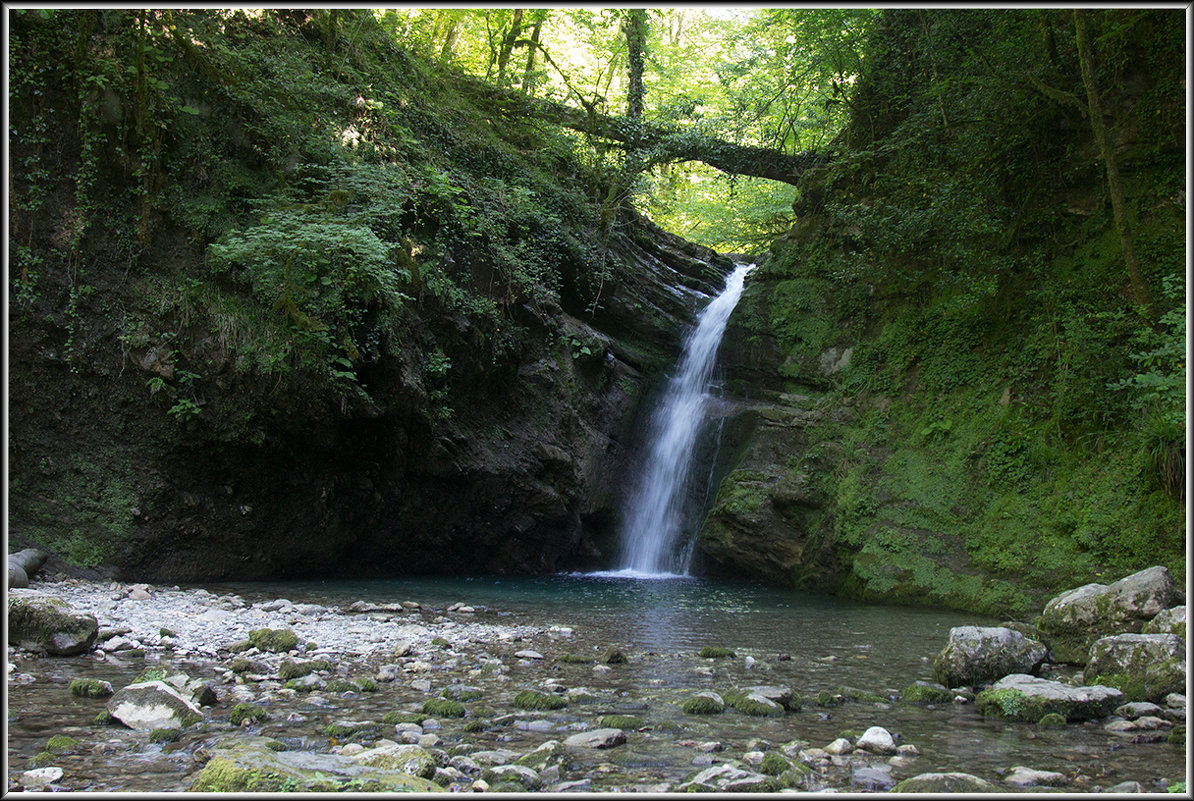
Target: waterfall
column 656, row 511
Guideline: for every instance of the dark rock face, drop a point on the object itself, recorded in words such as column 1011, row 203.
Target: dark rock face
column 522, row 474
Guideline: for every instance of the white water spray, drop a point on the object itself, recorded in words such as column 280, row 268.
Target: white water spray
column 655, row 516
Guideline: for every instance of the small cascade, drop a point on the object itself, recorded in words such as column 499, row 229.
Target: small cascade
column 655, row 516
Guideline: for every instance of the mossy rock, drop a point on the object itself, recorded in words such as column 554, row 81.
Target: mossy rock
column 351, row 729
column 47, row 625
column 537, row 701
column 90, row 688
column 774, row 764
column 826, row 698
column 440, row 642
column 243, row 665
column 367, row 685
column 925, row 693
column 245, row 711
column 341, row 686
column 574, row 659
column 614, row 656
column 239, row 646
column 165, row 735
column 61, row 744
column 716, row 652
column 517, row 778
column 477, row 725
column 619, row 722
column 42, row 760
column 703, row 704
column 862, row 696
column 443, row 708
column 461, row 692
column 104, row 718
column 1177, row 736
column 165, row 632
column 289, row 669
column 753, row 705
column 276, row 641
column 251, row 765
column 1053, row 720
column 394, row 718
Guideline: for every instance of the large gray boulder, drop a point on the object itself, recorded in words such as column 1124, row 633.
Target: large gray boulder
column 596, row 738
column 1029, row 698
column 1171, row 621
column 49, row 626
column 1073, row 620
column 979, row 655
column 1147, row 667
column 150, row 705
column 727, row 779
column 945, row 783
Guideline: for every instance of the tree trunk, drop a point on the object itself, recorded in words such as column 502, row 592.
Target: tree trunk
column 659, row 143
column 450, row 39
column 635, row 27
column 528, row 75
column 1140, row 289
column 508, row 46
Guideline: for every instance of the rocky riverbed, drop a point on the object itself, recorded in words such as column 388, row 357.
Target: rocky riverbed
column 174, row 689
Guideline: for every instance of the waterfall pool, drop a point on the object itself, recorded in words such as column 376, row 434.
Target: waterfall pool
column 847, row 661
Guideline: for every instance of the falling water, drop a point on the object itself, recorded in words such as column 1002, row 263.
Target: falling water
column 655, row 515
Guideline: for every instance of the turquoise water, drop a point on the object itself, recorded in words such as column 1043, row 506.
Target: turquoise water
column 877, row 647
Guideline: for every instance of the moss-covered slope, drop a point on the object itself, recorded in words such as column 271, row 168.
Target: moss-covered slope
column 284, row 302
column 974, row 411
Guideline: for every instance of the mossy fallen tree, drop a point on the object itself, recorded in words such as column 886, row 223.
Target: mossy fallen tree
column 653, row 143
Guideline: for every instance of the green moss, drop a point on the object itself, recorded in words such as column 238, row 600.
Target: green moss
column 351, row 729
column 702, row 705
column 242, row 665
column 289, row 669
column 393, row 718
column 156, row 673
column 222, row 775
column 477, row 725
column 750, row 706
column 104, row 718
column 165, row 735
column 715, row 652
column 1053, row 720
column 774, row 764
column 826, row 698
column 246, row 712
column 367, row 685
column 341, row 686
column 239, row 646
column 42, row 760
column 1177, row 736
column 440, row 642
column 165, row 632
column 537, row 701
column 619, row 722
column 443, row 708
column 926, row 694
column 273, row 640
column 90, row 688
column 61, row 744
